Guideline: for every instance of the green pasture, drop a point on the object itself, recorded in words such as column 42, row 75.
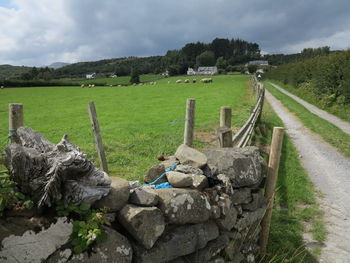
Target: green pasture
column 137, row 122
column 123, row 80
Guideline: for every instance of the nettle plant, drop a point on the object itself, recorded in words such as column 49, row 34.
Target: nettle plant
column 87, row 223
column 10, row 198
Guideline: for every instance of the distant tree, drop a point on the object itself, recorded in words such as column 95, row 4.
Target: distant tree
column 252, row 68
column 207, row 58
column 173, row 70
column 221, row 63
column 135, row 76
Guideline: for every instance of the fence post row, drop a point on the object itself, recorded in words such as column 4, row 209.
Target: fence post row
column 225, row 132
column 15, row 121
column 97, row 135
column 189, row 122
column 272, row 173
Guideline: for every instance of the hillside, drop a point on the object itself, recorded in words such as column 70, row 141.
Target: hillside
column 12, row 72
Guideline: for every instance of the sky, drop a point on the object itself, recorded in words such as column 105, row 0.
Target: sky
column 39, row 32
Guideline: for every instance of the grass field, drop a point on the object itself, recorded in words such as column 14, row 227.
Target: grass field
column 295, row 207
column 124, row 80
column 328, row 131
column 137, row 122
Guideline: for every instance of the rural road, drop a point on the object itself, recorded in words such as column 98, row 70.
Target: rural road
column 330, row 172
column 343, row 125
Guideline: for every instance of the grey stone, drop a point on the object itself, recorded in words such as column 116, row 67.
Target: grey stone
column 145, row 224
column 241, row 196
column 226, row 184
column 117, row 197
column 36, row 247
column 244, row 166
column 249, row 218
column 187, row 169
column 215, row 212
column 134, row 184
column 169, row 161
column 212, row 249
column 190, row 156
column 182, row 240
column 116, row 249
column 257, row 202
column 144, row 196
column 228, row 215
column 199, row 181
column 178, row 179
column 154, row 172
column 183, row 206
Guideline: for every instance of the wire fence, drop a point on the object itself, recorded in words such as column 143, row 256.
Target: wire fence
column 130, row 150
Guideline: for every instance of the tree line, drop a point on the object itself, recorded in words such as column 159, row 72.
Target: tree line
column 327, row 76
column 280, row 59
column 224, row 53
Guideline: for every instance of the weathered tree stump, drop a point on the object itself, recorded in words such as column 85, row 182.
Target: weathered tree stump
column 49, row 172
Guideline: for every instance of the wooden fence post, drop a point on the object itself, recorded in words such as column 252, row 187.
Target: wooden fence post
column 272, row 173
column 225, row 132
column 98, row 138
column 15, row 120
column 225, row 116
column 189, row 122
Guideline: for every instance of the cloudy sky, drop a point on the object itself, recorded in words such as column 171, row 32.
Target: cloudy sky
column 39, row 32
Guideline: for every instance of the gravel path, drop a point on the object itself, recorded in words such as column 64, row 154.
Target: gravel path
column 330, row 172
column 343, row 125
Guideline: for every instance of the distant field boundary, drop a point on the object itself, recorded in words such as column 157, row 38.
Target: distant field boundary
column 244, row 135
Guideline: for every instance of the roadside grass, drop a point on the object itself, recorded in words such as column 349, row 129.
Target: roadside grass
column 295, row 202
column 326, row 130
column 123, row 80
column 137, row 122
column 340, row 111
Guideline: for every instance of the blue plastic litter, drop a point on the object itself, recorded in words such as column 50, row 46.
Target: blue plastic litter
column 163, row 185
column 171, row 168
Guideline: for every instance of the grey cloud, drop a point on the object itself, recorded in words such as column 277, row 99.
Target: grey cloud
column 82, row 30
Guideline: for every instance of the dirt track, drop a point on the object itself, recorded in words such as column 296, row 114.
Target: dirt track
column 343, row 125
column 330, row 172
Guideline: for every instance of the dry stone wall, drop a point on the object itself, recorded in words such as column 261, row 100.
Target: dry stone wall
column 204, row 207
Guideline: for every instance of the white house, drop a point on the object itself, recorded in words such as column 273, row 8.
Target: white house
column 258, row 62
column 207, row 71
column 191, row 72
column 91, row 76
column 203, row 71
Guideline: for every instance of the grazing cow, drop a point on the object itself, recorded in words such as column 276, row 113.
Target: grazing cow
column 179, row 81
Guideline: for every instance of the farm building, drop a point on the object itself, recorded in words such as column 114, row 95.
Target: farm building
column 258, row 62
column 191, row 72
column 203, row 71
column 91, row 76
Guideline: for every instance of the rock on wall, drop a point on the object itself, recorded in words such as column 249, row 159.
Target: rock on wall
column 211, row 213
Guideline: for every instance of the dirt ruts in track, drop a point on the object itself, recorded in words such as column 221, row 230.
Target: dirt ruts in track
column 330, row 172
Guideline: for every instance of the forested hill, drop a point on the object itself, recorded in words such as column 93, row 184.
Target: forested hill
column 222, row 52
column 12, row 72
